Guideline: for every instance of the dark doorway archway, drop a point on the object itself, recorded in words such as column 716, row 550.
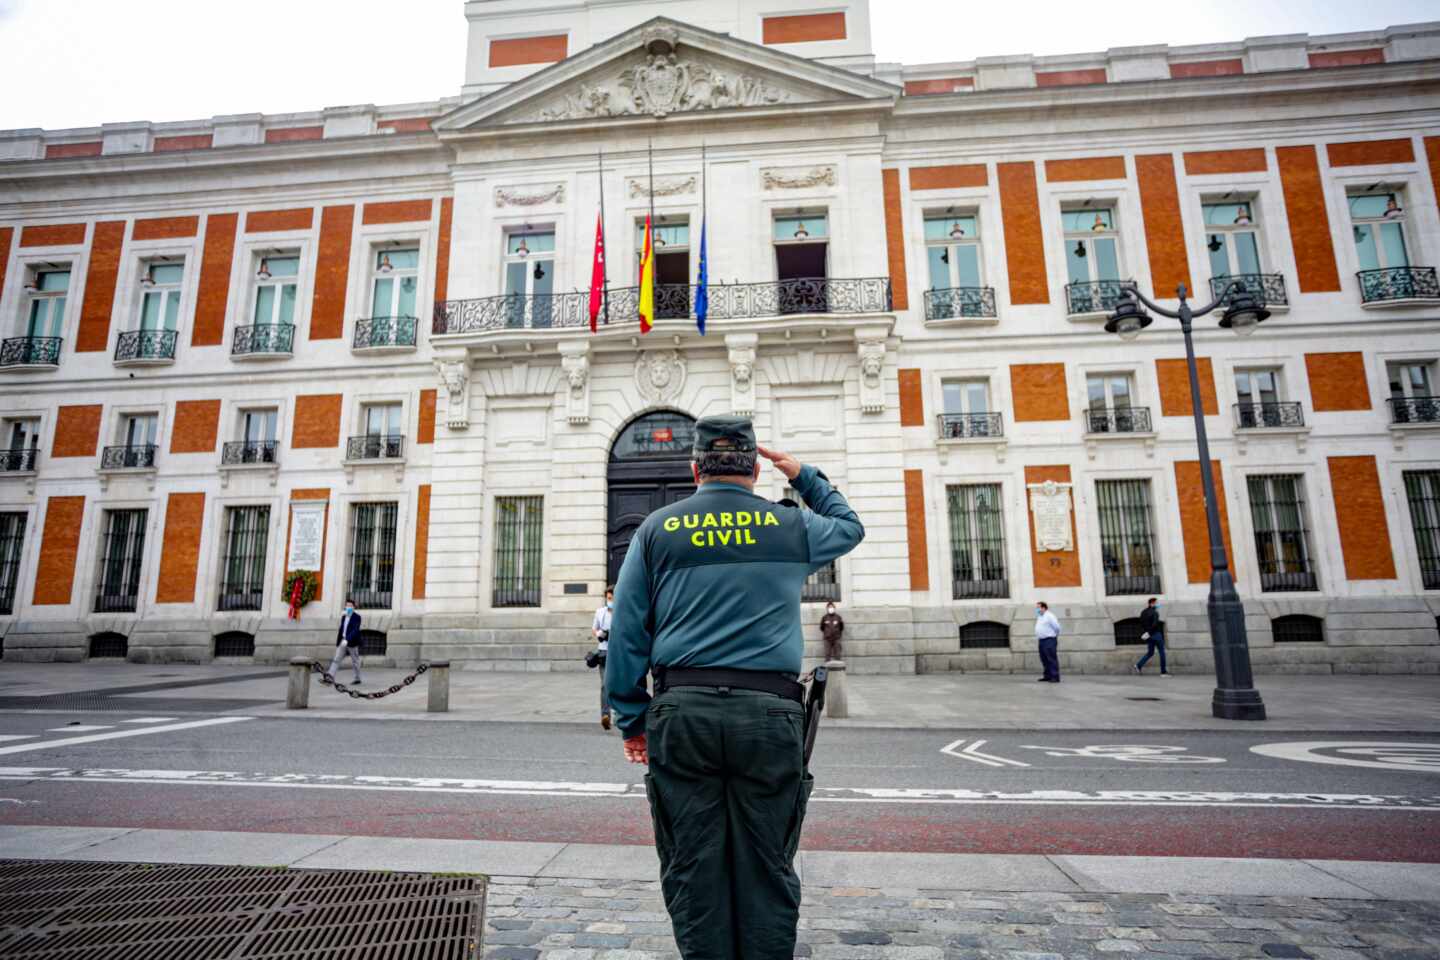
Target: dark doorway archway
column 649, row 468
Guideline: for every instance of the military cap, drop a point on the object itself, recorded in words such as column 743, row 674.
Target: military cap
column 724, row 435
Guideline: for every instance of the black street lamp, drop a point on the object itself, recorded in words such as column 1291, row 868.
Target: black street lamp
column 1235, row 695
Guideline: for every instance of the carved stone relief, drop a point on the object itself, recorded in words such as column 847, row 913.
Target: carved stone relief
column 640, row 189
column 529, row 196
column 741, row 347
column 455, row 379
column 660, row 375
column 661, row 85
column 802, row 179
column 871, row 350
column 575, row 361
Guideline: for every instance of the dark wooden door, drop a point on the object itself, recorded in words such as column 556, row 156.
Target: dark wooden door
column 632, row 500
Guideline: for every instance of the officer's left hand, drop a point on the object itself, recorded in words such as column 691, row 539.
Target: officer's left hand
column 637, row 751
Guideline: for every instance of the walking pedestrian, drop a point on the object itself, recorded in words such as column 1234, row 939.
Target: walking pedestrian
column 1152, row 631
column 600, row 630
column 831, row 628
column 708, row 601
column 347, row 639
column 1047, row 635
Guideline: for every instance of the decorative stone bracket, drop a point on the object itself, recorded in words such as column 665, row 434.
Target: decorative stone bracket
column 870, row 345
column 454, row 372
column 742, row 372
column 575, row 361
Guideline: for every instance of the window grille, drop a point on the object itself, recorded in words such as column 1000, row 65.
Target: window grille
column 977, row 541
column 823, row 585
column 1127, row 540
column 372, row 555
column 373, row 643
column 235, row 643
column 985, row 635
column 109, row 646
column 1127, row 633
column 243, row 567
column 1298, row 628
column 123, row 547
column 1282, row 540
column 12, row 539
column 1422, row 488
column 519, row 527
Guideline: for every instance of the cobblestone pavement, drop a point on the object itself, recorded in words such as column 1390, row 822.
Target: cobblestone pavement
column 544, row 919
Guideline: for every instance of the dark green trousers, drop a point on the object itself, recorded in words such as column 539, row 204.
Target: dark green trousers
column 728, row 792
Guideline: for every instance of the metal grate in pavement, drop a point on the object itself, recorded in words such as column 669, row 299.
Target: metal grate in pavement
column 55, row 910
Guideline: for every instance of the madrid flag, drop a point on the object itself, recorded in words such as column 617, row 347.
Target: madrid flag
column 597, row 272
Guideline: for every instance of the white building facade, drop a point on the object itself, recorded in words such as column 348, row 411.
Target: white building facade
column 357, row 343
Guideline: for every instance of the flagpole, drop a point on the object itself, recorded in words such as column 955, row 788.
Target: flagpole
column 704, row 223
column 600, row 157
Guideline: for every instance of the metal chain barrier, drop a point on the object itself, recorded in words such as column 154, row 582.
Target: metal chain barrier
column 330, row 681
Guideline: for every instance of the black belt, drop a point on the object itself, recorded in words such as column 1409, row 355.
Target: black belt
column 667, row 678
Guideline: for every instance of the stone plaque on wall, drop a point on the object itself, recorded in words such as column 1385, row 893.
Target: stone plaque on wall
column 1050, row 507
column 307, row 536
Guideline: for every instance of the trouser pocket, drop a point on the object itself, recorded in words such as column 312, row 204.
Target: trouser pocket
column 797, row 817
column 664, row 836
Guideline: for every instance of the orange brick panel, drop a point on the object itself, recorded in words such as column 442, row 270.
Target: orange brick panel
column 397, row 211
column 1347, row 58
column 912, row 401
column 524, row 50
column 949, row 177
column 1309, row 222
column 1202, row 163
column 59, row 546
column 213, row 297
column 1085, row 168
column 197, row 425
column 269, row 221
column 422, row 542
column 1164, row 233
column 406, row 124
column 198, row 141
column 1367, row 153
column 1024, row 238
column 332, row 271
column 1206, row 68
column 915, row 530
column 93, row 334
column 59, row 151
column 1337, row 381
column 7, row 239
column 1194, row 528
column 292, row 134
column 442, row 251
column 53, row 235
column 317, row 421
column 803, row 28
column 1038, row 392
column 311, row 494
column 77, row 431
column 1070, row 78
column 1174, row 379
column 895, row 240
column 1053, row 568
column 180, row 558
column 1432, row 155
column 426, row 432
column 915, row 88
column 166, row 228
column 1360, row 514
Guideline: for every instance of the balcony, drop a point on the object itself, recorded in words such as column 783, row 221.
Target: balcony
column 1093, row 298
column 1269, row 416
column 123, row 601
column 139, row 348
column 1295, row 580
column 1268, row 289
column 140, row 456
column 263, row 341
column 1119, row 585
column 1398, row 286
column 993, row 586
column 240, row 453
column 960, row 303
column 19, row 461
column 1414, row 410
column 375, row 448
column 30, row 353
column 386, row 334
column 971, row 426
column 1119, row 420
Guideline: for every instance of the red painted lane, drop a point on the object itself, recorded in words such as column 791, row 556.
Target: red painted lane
column 1395, row 835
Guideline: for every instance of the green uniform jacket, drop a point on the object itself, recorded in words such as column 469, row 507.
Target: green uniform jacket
column 714, row 581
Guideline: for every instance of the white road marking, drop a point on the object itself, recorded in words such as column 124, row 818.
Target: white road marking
column 1376, row 755
column 81, row 728
column 98, row 737
column 17, row 736
column 1129, row 753
column 972, row 752
column 149, row 720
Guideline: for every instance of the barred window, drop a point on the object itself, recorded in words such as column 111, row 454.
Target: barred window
column 977, row 541
column 984, row 635
column 12, row 538
column 519, row 528
column 122, row 547
column 1127, row 539
column 242, row 570
column 372, row 555
column 109, row 646
column 1282, row 538
column 1422, row 488
column 235, row 643
column 1127, row 633
column 1298, row 628
column 823, row 585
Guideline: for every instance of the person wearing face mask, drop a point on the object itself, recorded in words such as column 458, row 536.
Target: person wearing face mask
column 600, row 630
column 1047, row 635
column 1152, row 631
column 347, row 639
column 831, row 627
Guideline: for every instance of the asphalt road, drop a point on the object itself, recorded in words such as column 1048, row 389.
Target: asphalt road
column 1371, row 797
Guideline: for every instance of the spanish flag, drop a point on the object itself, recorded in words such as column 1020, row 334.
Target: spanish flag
column 647, row 282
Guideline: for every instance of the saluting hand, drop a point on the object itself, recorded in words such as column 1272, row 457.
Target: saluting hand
column 783, row 462
column 637, row 751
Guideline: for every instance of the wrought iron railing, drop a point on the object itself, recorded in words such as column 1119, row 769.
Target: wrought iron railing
column 1261, row 416
column 727, row 301
column 1415, row 409
column 989, row 589
column 1119, row 420
column 1094, row 296
column 819, row 591
column 1292, row 580
column 239, row 452
column 1398, row 283
column 375, row 448
column 959, row 302
column 123, row 602
column 146, row 345
column 30, row 351
column 385, row 332
column 240, row 600
column 139, row 456
column 18, row 461
column 263, row 338
column 1119, row 586
column 1268, row 289
column 970, row 426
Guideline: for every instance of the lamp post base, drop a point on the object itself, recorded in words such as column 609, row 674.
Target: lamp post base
column 1235, row 695
column 1237, row 705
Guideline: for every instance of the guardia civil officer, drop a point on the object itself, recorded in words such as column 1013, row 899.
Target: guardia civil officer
column 708, row 601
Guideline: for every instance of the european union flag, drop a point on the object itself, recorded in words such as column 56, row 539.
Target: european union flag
column 702, row 292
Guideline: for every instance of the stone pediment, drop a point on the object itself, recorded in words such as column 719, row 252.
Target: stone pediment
column 660, row 69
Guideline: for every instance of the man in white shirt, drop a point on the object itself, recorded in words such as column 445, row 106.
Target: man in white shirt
column 600, row 630
column 1047, row 634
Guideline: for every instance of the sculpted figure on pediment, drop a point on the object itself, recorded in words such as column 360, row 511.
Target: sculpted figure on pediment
column 661, row 85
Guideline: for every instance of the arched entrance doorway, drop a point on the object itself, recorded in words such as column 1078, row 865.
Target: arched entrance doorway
column 649, row 468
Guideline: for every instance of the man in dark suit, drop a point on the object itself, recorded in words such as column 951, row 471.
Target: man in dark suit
column 347, row 638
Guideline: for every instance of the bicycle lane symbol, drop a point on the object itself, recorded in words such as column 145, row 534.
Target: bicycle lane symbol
column 1129, row 753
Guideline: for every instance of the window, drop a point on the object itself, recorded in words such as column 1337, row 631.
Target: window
column 1298, row 628
column 952, row 246
column 519, row 527
column 257, row 443
column 396, row 276
column 23, row 434
column 1282, row 537
column 45, row 315
column 109, row 646
column 138, row 429
column 985, row 635
column 802, row 254
column 259, row 425
column 1412, row 392
column 275, row 289
column 1127, row 633
column 373, row 643
column 372, row 555
column 1378, row 224
column 136, row 443
column 967, row 396
column 1232, row 238
column 823, row 584
column 1110, row 408
column 1127, row 540
column 1260, row 400
column 672, row 265
column 1092, row 259
column 382, row 438
column 242, row 584
column 967, row 410
column 1422, row 489
column 160, row 302
column 977, row 541
column 12, row 539
column 529, row 273
column 121, row 550
column 235, row 643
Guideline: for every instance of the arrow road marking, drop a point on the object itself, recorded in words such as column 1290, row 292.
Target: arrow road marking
column 973, row 753
column 138, row 732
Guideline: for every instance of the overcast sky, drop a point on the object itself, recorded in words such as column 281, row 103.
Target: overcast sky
column 78, row 63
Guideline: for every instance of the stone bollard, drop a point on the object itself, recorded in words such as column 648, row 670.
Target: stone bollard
column 297, row 697
column 837, row 707
column 439, row 674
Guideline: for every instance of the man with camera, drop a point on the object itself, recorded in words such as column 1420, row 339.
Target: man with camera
column 600, row 630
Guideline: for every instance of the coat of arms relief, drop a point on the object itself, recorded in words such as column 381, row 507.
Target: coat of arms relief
column 664, row 83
